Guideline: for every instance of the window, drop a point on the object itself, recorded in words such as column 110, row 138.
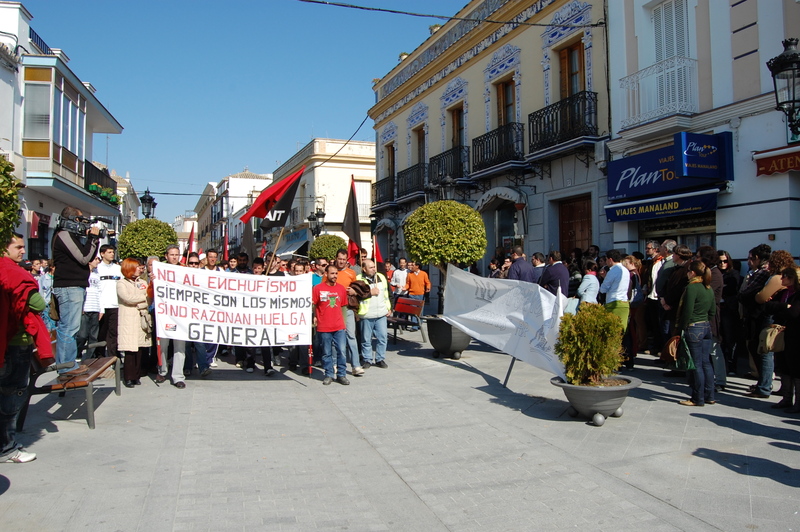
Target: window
column 37, row 111
column 390, row 167
column 457, row 119
column 572, row 72
column 506, row 108
column 419, row 135
column 670, row 29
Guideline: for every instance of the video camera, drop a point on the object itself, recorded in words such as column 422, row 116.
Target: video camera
column 80, row 225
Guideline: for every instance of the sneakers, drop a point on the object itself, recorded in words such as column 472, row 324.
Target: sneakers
column 269, row 372
column 238, row 363
column 366, row 365
column 249, row 370
column 357, row 372
column 20, row 457
column 205, row 373
column 341, row 380
column 327, row 380
column 382, row 364
column 214, row 363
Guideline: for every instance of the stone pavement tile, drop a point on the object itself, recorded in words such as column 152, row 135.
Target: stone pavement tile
column 722, row 502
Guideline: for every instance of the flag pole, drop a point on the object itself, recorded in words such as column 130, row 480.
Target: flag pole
column 277, row 245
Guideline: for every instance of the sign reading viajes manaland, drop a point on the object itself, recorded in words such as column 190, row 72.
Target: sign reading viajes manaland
column 684, row 178
column 516, row 317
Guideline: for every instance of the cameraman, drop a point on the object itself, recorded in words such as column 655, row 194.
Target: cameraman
column 72, row 254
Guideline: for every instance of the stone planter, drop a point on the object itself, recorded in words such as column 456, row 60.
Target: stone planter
column 447, row 341
column 596, row 402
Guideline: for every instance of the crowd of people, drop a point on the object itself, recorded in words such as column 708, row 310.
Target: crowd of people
column 671, row 291
column 100, row 306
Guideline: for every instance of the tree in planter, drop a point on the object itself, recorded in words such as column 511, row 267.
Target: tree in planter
column 326, row 246
column 9, row 199
column 589, row 344
column 146, row 237
column 445, row 232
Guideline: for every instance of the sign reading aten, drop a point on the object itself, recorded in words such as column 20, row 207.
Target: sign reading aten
column 231, row 308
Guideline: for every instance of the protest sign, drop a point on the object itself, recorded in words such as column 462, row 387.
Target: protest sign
column 516, row 317
column 214, row 307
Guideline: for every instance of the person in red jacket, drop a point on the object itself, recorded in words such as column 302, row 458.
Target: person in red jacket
column 329, row 297
column 21, row 328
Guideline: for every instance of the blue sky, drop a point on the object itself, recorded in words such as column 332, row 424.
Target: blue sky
column 204, row 88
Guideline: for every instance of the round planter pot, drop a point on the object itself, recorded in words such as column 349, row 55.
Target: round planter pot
column 596, row 402
column 447, row 341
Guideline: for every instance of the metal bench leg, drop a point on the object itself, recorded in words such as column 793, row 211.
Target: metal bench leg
column 90, row 405
column 118, row 389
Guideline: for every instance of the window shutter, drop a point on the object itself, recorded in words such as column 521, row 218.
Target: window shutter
column 563, row 56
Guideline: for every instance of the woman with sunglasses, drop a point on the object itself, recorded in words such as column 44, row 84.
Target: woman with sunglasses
column 729, row 309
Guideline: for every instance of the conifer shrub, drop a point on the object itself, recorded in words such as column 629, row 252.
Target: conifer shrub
column 589, row 344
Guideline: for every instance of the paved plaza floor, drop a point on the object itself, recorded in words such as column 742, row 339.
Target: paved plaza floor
column 425, row 445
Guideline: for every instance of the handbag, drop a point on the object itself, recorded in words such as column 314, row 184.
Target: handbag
column 770, row 340
column 684, row 360
column 53, row 311
column 669, row 353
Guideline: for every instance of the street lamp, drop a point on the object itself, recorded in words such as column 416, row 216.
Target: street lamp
column 148, row 203
column 447, row 188
column 316, row 222
column 785, row 70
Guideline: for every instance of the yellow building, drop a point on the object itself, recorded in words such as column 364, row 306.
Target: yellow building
column 509, row 117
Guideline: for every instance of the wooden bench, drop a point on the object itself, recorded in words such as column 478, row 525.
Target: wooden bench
column 97, row 367
column 410, row 307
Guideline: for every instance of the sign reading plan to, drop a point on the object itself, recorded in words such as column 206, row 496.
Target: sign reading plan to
column 231, row 308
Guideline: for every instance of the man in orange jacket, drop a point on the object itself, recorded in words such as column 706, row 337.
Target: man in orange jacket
column 417, row 285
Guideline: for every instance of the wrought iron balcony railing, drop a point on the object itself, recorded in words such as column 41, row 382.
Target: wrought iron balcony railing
column 453, row 162
column 571, row 118
column 411, row 180
column 498, row 146
column 666, row 88
column 383, row 191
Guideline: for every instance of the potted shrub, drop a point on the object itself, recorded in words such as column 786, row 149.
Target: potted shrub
column 590, row 347
column 94, row 188
column 105, row 192
column 442, row 233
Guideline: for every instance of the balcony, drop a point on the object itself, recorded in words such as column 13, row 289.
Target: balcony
column 565, row 124
column 453, row 162
column 411, row 182
column 383, row 191
column 664, row 89
column 499, row 150
column 95, row 175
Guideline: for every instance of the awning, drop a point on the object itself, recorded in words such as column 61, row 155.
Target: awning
column 663, row 206
column 780, row 160
column 291, row 248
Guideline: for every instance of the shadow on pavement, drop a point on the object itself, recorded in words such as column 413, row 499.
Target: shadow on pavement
column 753, row 466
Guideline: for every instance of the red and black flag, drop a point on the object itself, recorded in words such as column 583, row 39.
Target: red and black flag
column 351, row 226
column 275, row 203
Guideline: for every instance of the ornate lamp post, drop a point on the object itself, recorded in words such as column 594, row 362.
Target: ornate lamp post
column 316, row 222
column 148, row 204
column 785, row 70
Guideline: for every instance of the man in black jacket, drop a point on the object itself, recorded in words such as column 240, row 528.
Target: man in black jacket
column 71, row 255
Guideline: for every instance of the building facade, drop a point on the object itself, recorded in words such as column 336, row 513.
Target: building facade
column 509, row 118
column 48, row 118
column 324, row 187
column 699, row 152
column 232, row 193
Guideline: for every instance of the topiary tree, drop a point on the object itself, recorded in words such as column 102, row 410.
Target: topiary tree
column 445, row 232
column 326, row 246
column 589, row 344
column 146, row 237
column 9, row 199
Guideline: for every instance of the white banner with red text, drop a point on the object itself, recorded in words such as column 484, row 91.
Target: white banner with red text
column 237, row 309
column 516, row 317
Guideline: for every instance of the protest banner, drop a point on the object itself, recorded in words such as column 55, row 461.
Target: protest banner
column 516, row 317
column 214, row 307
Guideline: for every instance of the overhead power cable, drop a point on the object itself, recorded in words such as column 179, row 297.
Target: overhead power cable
column 447, row 18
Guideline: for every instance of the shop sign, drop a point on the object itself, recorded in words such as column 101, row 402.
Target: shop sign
column 664, row 206
column 780, row 162
column 692, row 162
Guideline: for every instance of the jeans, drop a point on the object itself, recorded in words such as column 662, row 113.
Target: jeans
column 200, row 355
column 70, row 309
column 419, row 297
column 718, row 361
column 13, row 392
column 352, row 343
column 764, row 363
column 379, row 327
column 178, row 358
column 90, row 326
column 329, row 341
column 698, row 338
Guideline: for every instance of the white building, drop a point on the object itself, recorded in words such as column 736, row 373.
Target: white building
column 232, row 193
column 48, row 118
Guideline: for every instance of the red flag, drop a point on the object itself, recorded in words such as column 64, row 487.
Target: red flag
column 265, row 203
column 225, row 244
column 351, row 225
column 376, row 251
column 190, row 245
